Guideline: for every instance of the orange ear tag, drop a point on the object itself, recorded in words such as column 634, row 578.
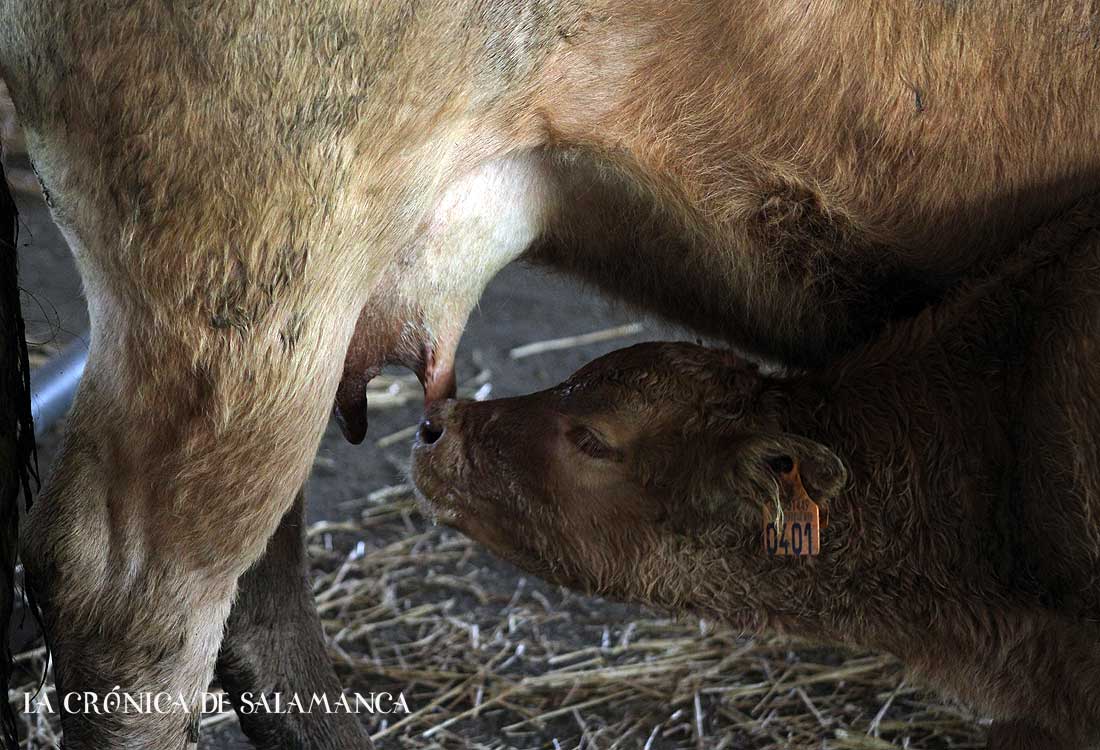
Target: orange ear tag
column 798, row 533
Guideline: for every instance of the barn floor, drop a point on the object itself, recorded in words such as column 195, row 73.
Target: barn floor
column 485, row 656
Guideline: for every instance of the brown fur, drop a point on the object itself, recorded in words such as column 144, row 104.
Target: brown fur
column 241, row 185
column 955, row 459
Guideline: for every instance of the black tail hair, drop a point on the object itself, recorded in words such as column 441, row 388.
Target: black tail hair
column 17, row 446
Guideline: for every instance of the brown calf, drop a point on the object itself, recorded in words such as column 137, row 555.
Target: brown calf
column 269, row 201
column 955, row 460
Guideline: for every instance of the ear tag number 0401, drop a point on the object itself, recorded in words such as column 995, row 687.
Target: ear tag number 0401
column 798, row 534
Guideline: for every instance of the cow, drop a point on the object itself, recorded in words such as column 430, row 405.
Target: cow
column 269, row 202
column 942, row 481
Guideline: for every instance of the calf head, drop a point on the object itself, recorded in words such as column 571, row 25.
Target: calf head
column 628, row 479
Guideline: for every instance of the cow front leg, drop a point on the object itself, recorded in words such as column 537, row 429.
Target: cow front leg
column 184, row 450
column 273, row 643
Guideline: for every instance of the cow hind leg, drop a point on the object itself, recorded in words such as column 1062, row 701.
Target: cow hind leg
column 274, row 644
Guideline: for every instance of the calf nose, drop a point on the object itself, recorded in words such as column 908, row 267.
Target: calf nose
column 434, row 423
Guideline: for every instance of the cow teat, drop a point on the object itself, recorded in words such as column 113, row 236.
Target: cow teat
column 381, row 340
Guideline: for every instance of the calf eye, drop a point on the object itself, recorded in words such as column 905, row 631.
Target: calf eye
column 589, row 443
column 781, row 464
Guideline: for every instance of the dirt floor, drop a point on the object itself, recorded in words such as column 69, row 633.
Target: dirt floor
column 485, row 656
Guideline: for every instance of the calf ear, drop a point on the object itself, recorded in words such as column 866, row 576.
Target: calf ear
column 767, row 456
